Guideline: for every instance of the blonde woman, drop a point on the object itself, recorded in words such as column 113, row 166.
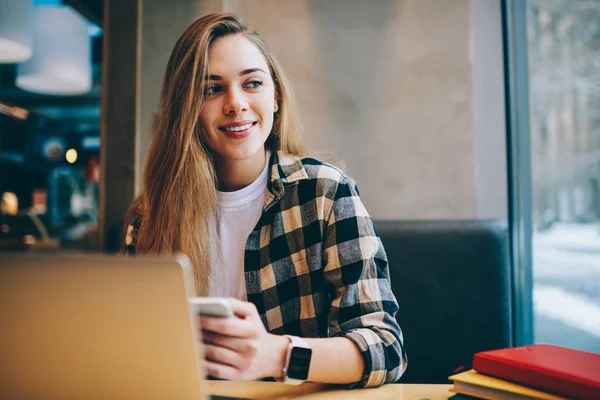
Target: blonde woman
column 286, row 237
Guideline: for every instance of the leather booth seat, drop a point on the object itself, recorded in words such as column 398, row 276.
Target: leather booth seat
column 452, row 280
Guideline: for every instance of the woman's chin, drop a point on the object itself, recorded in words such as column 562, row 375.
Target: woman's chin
column 242, row 154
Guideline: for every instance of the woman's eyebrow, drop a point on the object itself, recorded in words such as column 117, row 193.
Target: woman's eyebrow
column 251, row 70
column 242, row 73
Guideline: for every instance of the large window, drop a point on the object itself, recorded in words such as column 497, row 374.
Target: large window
column 562, row 163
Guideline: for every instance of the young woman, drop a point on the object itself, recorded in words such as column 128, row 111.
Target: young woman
column 285, row 237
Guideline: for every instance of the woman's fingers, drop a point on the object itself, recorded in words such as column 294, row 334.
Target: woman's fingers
column 234, row 347
column 221, row 371
column 242, row 309
column 234, row 327
column 222, row 355
column 240, row 345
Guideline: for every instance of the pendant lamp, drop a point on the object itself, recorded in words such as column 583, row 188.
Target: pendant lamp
column 61, row 61
column 15, row 30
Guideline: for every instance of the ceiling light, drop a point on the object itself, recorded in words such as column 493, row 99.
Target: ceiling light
column 61, row 61
column 15, row 30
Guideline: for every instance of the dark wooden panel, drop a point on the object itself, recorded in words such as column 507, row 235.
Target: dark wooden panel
column 119, row 114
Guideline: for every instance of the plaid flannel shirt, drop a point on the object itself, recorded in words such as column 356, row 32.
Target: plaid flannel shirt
column 315, row 267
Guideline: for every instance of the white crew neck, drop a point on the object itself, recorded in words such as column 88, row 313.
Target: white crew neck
column 247, row 194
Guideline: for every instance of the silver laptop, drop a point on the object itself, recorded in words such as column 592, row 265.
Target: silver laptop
column 98, row 327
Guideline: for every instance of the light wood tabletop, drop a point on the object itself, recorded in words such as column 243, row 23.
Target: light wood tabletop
column 315, row 391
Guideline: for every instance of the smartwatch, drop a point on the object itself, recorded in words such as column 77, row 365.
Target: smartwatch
column 297, row 361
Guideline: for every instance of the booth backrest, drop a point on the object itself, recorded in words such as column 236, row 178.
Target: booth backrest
column 452, row 280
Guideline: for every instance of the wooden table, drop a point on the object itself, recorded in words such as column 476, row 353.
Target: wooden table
column 315, row 391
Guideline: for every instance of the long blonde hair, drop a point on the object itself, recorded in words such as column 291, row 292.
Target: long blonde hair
column 179, row 184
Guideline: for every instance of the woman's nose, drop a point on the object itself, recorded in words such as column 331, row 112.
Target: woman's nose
column 236, row 102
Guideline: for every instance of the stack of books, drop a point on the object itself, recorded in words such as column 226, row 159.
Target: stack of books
column 539, row 371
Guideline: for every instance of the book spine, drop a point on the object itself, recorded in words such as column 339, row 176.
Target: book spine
column 544, row 381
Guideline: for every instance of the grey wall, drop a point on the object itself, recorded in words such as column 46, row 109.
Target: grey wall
column 488, row 109
column 407, row 94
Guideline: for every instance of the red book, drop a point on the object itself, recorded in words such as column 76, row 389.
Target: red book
column 567, row 372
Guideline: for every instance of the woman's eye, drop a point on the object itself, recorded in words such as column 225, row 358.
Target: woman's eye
column 254, row 84
column 210, row 90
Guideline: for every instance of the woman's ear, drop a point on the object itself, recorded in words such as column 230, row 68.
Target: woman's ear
column 276, row 108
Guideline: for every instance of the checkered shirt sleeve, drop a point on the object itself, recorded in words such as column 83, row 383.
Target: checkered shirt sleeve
column 364, row 306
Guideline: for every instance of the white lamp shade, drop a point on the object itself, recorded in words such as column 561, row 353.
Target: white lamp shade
column 61, row 61
column 15, row 30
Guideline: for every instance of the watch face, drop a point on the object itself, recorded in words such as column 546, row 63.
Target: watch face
column 299, row 363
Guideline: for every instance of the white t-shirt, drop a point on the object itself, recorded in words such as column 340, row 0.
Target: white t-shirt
column 237, row 215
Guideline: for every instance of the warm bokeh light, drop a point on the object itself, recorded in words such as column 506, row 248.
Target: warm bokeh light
column 10, row 204
column 71, row 155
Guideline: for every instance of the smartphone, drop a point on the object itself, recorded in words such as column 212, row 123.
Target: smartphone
column 211, row 306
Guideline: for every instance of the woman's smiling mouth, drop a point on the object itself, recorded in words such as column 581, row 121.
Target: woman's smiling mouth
column 238, row 130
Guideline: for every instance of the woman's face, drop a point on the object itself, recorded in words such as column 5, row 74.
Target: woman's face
column 239, row 99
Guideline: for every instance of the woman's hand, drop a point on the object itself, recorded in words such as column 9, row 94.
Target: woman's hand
column 240, row 348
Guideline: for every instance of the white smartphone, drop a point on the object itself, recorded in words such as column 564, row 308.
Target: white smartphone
column 211, row 306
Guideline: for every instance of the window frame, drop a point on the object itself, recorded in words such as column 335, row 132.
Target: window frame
column 516, row 78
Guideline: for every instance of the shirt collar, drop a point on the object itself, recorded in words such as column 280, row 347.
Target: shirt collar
column 285, row 169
